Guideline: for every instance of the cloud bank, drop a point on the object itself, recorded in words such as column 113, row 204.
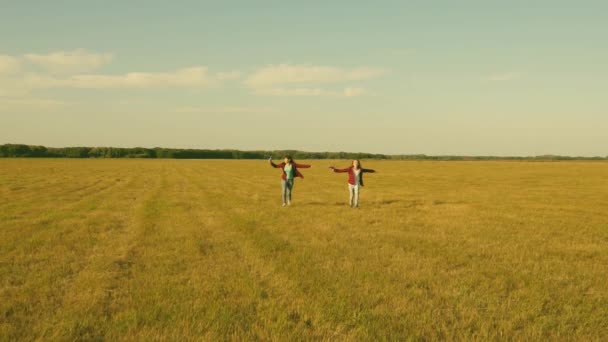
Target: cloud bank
column 19, row 75
column 307, row 80
column 74, row 61
column 187, row 77
column 78, row 69
column 301, row 74
column 9, row 65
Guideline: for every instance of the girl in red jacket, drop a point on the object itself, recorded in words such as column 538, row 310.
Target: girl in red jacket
column 355, row 180
column 290, row 171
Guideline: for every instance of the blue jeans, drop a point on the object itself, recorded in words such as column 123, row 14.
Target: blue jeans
column 286, row 186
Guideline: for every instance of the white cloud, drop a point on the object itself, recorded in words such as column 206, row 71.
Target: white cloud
column 299, row 91
column 305, row 80
column 506, row 76
column 222, row 110
column 294, row 92
column 352, row 92
column 9, row 65
column 188, row 77
column 21, row 82
column 285, row 74
column 72, row 69
column 74, row 61
column 228, row 76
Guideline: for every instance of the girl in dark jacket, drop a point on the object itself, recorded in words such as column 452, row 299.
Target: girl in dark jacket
column 355, row 180
column 290, row 171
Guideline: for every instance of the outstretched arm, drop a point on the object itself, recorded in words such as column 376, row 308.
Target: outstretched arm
column 302, row 166
column 368, row 170
column 338, row 170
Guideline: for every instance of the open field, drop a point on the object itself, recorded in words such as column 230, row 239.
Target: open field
column 191, row 249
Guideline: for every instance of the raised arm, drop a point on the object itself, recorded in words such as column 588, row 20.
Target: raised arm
column 275, row 165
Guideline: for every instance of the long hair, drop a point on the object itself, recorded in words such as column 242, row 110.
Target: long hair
column 289, row 159
column 358, row 164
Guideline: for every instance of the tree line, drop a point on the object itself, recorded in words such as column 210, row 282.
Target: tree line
column 31, row 151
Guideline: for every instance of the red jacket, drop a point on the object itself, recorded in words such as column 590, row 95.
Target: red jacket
column 295, row 169
column 351, row 174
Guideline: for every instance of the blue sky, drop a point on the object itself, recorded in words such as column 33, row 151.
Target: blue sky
column 434, row 77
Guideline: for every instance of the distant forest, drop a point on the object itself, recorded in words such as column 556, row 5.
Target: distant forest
column 31, row 151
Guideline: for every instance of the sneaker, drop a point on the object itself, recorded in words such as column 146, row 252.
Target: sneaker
column 283, row 204
column 288, row 202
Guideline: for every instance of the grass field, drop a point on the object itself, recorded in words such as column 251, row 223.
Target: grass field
column 192, row 249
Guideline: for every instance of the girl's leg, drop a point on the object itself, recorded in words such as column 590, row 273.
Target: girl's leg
column 351, row 190
column 284, row 191
column 356, row 190
column 289, row 186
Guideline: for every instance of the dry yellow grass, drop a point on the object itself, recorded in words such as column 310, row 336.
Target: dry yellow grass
column 191, row 249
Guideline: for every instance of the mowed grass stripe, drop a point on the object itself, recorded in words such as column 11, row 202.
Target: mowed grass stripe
column 220, row 296
column 319, row 309
column 33, row 185
column 176, row 288
column 88, row 303
column 48, row 204
column 44, row 265
column 33, row 227
column 281, row 307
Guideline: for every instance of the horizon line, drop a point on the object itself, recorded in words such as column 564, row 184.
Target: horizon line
column 422, row 155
